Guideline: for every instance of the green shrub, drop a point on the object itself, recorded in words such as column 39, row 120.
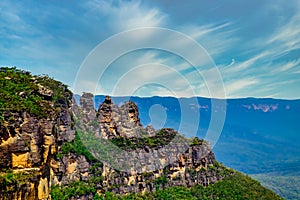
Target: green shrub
column 19, row 93
column 77, row 188
column 10, row 181
column 162, row 138
column 76, row 147
column 235, row 187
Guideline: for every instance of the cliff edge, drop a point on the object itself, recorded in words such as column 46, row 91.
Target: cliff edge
column 45, row 154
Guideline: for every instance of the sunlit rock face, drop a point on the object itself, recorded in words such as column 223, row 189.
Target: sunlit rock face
column 179, row 164
column 36, row 148
column 28, row 145
column 31, row 146
column 117, row 121
column 45, row 138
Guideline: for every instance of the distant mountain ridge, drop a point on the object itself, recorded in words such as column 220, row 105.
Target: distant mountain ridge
column 260, row 115
column 259, row 136
column 47, row 145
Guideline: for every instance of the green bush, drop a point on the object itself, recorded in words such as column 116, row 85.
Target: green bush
column 19, row 93
column 160, row 181
column 77, row 188
column 77, row 147
column 235, row 187
column 10, row 181
column 162, row 138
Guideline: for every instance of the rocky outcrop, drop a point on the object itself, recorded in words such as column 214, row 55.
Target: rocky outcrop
column 42, row 157
column 154, row 159
column 37, row 149
column 117, row 121
column 45, row 151
column 28, row 145
column 191, row 168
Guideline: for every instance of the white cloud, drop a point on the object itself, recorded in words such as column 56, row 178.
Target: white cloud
column 197, row 32
column 297, row 72
column 126, row 15
column 288, row 34
column 289, row 65
column 267, row 63
column 234, row 87
column 236, row 67
column 215, row 38
column 132, row 72
column 55, row 46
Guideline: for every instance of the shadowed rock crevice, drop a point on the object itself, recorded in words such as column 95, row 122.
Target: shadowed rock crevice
column 150, row 155
column 44, row 147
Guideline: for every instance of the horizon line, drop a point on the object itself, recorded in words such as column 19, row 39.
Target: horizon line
column 183, row 97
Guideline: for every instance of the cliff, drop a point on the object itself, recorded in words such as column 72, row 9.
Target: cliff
column 34, row 121
column 50, row 147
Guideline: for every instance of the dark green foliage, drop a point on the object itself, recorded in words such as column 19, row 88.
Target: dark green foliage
column 77, row 188
column 287, row 185
column 10, row 181
column 196, row 141
column 238, row 186
column 160, row 181
column 162, row 138
column 95, row 168
column 19, row 92
column 107, row 195
column 60, row 90
column 76, row 147
column 235, row 187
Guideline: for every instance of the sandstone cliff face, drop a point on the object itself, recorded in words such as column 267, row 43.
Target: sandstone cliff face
column 158, row 166
column 28, row 145
column 117, row 121
column 31, row 146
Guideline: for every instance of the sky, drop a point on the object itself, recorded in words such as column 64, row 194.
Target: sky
column 251, row 48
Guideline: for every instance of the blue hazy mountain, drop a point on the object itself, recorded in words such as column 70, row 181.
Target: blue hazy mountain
column 259, row 137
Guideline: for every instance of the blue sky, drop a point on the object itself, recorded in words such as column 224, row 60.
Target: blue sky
column 254, row 44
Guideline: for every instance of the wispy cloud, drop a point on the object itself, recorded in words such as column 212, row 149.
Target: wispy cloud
column 215, row 38
column 257, row 55
column 236, row 67
column 287, row 66
column 270, row 60
column 146, row 69
column 234, row 87
column 287, row 35
column 125, row 15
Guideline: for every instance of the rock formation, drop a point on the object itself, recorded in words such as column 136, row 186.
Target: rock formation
column 30, row 145
column 158, row 167
column 43, row 148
